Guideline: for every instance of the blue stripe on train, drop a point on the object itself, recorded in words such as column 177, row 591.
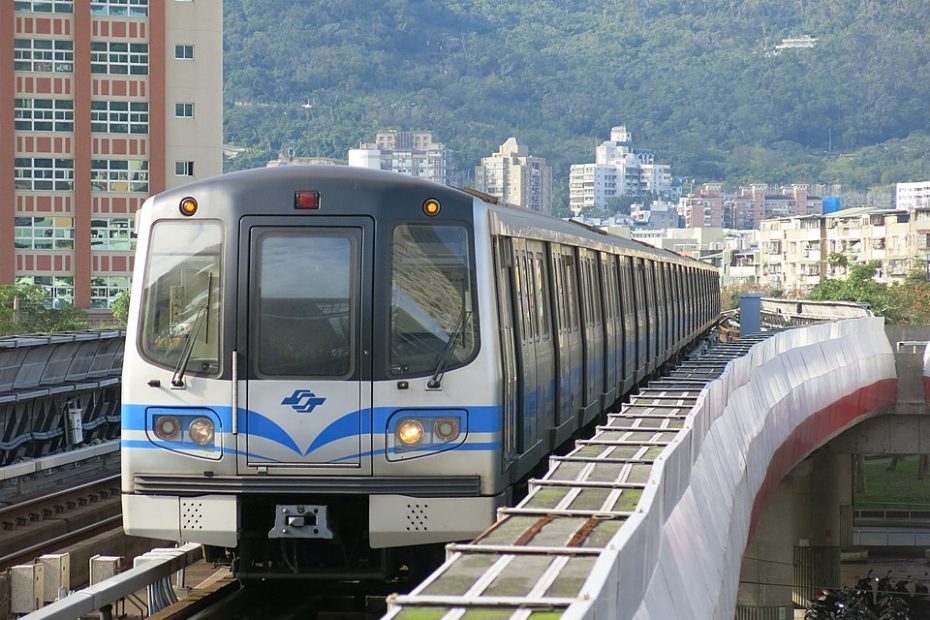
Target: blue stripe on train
column 480, row 420
column 467, row 447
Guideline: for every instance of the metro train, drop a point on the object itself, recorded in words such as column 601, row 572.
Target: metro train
column 327, row 367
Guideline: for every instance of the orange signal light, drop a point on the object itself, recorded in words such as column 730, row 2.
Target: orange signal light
column 188, row 206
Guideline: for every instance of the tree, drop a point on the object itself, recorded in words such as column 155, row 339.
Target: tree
column 26, row 309
column 121, row 308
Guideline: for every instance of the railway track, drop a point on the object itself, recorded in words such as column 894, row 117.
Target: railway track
column 54, row 520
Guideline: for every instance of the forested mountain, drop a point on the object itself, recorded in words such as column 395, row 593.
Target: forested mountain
column 696, row 81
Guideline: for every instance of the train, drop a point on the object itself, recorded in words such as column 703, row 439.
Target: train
column 331, row 369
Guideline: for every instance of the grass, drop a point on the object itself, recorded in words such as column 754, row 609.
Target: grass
column 894, row 487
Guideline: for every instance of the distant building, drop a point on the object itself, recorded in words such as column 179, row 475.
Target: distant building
column 759, row 201
column 795, row 252
column 912, row 195
column 618, row 171
column 516, row 177
column 803, row 42
column 108, row 103
column 704, row 209
column 286, row 160
column 407, row 152
column 659, row 214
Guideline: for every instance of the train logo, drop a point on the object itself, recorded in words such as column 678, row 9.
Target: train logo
column 303, row 401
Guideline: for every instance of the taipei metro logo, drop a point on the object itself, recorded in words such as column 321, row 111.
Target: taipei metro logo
column 303, row 401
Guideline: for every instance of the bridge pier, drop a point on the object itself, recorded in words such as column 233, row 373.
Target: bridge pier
column 795, row 549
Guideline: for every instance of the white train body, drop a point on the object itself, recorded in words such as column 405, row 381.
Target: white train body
column 319, row 366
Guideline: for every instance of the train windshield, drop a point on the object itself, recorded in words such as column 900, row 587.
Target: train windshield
column 181, row 300
column 432, row 299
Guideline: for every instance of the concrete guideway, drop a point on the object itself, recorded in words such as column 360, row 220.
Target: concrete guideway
column 652, row 524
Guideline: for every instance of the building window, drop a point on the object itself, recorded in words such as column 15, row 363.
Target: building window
column 105, row 290
column 184, row 110
column 115, row 58
column 39, row 174
column 44, row 6
column 43, row 114
column 114, row 234
column 183, row 168
column 44, row 233
column 184, row 52
column 120, row 8
column 119, row 117
column 60, row 289
column 119, row 175
column 48, row 55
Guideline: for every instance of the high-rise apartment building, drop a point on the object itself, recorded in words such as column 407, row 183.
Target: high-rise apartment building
column 408, row 152
column 103, row 103
column 618, row 171
column 516, row 177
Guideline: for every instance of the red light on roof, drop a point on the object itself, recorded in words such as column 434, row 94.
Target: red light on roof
column 307, row 200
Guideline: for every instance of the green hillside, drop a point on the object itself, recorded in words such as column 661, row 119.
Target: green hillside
column 696, row 81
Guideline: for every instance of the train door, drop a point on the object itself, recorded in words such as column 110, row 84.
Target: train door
column 661, row 312
column 504, row 263
column 545, row 349
column 642, row 318
column 561, row 332
column 593, row 340
column 304, row 342
column 628, row 322
column 571, row 299
column 612, row 336
column 527, row 334
column 652, row 331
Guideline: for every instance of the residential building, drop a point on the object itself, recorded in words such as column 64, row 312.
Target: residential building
column 704, row 209
column 516, row 177
column 407, row 152
column 758, row 201
column 106, row 102
column 796, row 253
column 619, row 170
column 912, row 195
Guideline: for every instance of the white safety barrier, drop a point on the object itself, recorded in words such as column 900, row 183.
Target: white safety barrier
column 679, row 556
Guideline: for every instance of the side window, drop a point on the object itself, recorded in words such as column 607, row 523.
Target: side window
column 533, row 316
column 570, row 289
column 542, row 296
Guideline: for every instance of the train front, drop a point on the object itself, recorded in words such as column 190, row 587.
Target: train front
column 310, row 377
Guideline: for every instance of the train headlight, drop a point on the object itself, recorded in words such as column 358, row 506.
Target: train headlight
column 167, row 427
column 446, row 429
column 201, row 431
column 410, row 432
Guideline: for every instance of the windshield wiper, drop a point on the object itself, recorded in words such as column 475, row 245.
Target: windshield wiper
column 177, row 379
column 436, row 380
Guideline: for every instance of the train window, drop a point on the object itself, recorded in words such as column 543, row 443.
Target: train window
column 542, row 297
column 182, row 296
column 432, row 300
column 571, row 294
column 532, row 317
column 518, row 296
column 306, row 317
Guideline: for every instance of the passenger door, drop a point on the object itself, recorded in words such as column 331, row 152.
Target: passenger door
column 305, row 346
